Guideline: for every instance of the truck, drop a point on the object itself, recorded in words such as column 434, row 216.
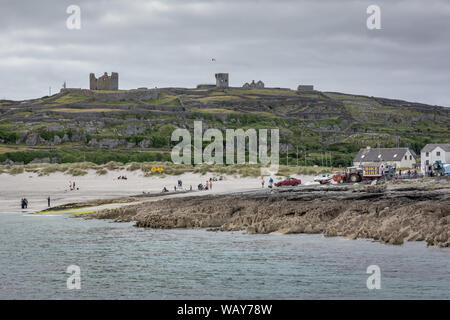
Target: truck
column 379, row 170
column 351, row 174
column 438, row 168
column 368, row 172
column 447, row 169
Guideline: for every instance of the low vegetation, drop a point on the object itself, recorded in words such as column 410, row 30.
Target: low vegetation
column 149, row 169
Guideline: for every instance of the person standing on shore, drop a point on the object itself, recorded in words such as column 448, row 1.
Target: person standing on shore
column 48, row 201
column 262, row 183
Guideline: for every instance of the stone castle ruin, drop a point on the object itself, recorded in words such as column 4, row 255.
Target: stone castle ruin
column 254, row 85
column 104, row 82
column 222, row 80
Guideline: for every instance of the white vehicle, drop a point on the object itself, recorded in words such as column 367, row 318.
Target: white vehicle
column 323, row 178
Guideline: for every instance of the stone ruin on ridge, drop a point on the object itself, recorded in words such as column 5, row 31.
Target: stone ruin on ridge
column 254, row 85
column 104, row 82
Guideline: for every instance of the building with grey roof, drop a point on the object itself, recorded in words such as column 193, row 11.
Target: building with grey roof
column 401, row 157
column 434, row 152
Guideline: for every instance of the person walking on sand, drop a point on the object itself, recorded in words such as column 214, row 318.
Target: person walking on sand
column 262, row 183
column 270, row 182
column 26, row 203
column 210, row 185
column 22, row 203
column 48, row 201
column 70, row 185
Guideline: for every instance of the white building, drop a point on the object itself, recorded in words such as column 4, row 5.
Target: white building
column 401, row 157
column 432, row 153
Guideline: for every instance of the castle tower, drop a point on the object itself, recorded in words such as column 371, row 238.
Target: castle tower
column 92, row 82
column 222, row 80
column 114, row 81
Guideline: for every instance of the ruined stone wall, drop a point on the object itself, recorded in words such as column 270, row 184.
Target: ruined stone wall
column 305, row 88
column 114, row 81
column 254, row 85
column 104, row 82
column 92, row 82
column 115, row 96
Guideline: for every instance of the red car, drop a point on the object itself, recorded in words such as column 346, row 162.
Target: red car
column 289, row 182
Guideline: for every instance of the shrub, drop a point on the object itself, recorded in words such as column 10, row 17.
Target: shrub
column 16, row 170
column 76, row 172
column 101, row 172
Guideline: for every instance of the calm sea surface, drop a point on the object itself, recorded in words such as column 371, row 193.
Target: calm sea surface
column 119, row 261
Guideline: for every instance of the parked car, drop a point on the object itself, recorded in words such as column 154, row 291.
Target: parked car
column 289, row 182
column 323, row 178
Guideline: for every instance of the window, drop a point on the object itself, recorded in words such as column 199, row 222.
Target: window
column 438, row 153
column 410, row 157
column 427, row 162
column 427, row 154
column 406, row 157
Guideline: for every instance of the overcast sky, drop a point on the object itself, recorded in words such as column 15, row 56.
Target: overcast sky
column 283, row 43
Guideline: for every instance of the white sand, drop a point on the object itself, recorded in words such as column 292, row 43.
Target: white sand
column 92, row 186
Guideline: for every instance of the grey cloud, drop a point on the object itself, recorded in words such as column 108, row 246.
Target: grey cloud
column 283, row 43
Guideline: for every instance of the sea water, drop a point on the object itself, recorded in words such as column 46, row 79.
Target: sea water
column 120, row 261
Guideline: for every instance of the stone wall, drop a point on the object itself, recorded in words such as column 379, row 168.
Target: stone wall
column 305, row 88
column 138, row 94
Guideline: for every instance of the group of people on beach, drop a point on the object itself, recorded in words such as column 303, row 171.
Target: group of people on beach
column 270, row 182
column 209, row 183
column 122, row 178
column 72, row 186
column 207, row 186
column 24, row 203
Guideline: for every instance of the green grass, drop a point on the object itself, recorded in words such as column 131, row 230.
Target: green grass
column 263, row 92
column 219, row 98
column 214, row 110
column 68, row 98
column 164, row 99
column 74, row 212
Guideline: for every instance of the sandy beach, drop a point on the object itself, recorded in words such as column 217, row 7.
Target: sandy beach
column 92, row 187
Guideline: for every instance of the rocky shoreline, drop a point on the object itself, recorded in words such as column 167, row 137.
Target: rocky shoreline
column 387, row 213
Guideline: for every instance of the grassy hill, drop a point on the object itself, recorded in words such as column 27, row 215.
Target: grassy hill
column 135, row 125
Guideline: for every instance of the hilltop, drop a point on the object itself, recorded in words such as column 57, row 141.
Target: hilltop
column 83, row 125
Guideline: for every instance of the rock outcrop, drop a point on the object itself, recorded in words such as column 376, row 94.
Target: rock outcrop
column 389, row 216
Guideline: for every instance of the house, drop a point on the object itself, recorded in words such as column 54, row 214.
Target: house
column 401, row 157
column 433, row 152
